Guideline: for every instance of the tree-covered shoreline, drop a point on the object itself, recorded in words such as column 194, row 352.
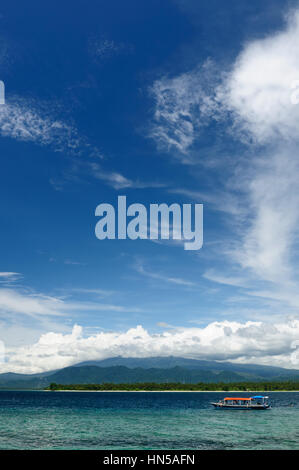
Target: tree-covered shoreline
column 202, row 387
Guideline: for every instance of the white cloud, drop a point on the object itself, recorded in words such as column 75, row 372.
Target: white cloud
column 254, row 342
column 253, row 101
column 256, row 94
column 258, row 88
column 270, row 238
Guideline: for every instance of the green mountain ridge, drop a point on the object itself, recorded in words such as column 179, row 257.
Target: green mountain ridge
column 172, row 361
column 180, row 370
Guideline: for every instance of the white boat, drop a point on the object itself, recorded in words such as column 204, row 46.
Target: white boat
column 258, row 402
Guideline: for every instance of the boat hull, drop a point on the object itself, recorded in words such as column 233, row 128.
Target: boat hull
column 241, row 407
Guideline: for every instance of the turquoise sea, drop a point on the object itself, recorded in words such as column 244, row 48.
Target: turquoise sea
column 143, row 420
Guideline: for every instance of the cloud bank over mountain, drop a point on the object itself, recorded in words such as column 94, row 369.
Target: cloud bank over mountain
column 250, row 342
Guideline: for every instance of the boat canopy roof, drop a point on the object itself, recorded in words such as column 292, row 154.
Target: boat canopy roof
column 238, row 398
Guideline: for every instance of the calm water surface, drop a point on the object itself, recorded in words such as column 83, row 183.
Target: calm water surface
column 118, row 420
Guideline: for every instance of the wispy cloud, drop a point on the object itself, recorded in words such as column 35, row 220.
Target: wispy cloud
column 7, row 278
column 117, row 180
column 180, row 104
column 13, row 301
column 8, row 275
column 225, row 279
column 25, row 302
column 27, row 120
column 89, row 169
column 220, row 200
column 98, row 292
column 74, row 263
column 33, row 121
column 161, row 277
column 101, row 48
column 30, row 120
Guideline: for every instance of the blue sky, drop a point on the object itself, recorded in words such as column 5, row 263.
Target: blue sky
column 175, row 101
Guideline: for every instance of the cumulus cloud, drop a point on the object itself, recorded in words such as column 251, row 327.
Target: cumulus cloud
column 249, row 342
column 258, row 89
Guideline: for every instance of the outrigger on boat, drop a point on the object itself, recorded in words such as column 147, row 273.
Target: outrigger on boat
column 257, row 402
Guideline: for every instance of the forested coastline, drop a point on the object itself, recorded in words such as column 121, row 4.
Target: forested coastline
column 151, row 386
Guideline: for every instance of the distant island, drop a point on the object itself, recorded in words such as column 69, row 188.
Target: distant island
column 177, row 386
